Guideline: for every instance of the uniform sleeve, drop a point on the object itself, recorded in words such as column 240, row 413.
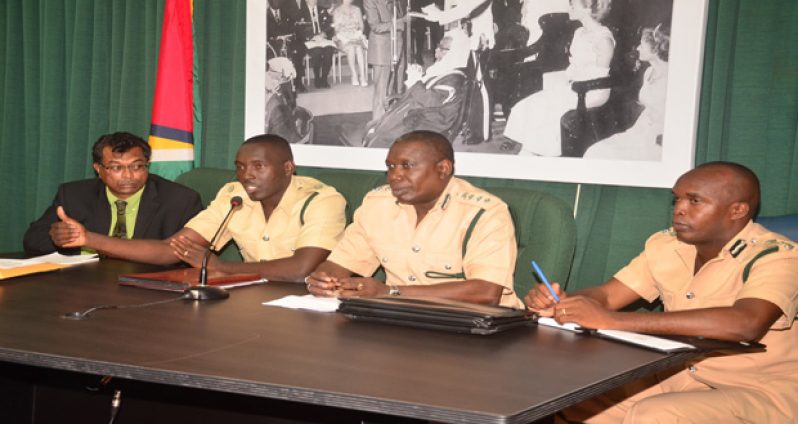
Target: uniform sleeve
column 354, row 252
column 637, row 276
column 324, row 221
column 207, row 222
column 491, row 250
column 774, row 278
column 194, row 206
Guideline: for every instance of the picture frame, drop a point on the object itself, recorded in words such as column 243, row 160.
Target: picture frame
column 687, row 35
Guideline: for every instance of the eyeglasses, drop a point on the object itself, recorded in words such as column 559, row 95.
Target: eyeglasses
column 133, row 167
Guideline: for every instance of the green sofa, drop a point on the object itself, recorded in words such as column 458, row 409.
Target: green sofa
column 544, row 226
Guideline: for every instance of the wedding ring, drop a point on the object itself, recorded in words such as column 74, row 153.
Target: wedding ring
column 359, row 286
column 563, row 312
column 185, row 253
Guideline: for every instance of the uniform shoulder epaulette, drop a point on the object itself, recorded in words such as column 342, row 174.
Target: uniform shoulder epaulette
column 232, row 187
column 311, row 188
column 766, row 248
column 480, row 199
column 309, row 184
column 784, row 244
column 383, row 191
column 385, row 188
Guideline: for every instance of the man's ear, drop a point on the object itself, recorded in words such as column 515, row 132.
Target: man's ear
column 445, row 168
column 96, row 167
column 740, row 210
column 289, row 167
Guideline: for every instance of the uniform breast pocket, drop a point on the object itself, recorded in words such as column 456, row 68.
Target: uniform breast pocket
column 248, row 245
column 443, row 266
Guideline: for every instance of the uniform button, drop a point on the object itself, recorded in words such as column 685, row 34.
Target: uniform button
column 384, row 259
column 689, row 295
column 411, row 278
column 447, row 267
column 266, row 238
column 416, row 249
column 692, row 369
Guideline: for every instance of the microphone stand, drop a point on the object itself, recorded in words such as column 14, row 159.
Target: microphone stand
column 203, row 291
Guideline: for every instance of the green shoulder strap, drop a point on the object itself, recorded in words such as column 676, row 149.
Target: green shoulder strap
column 471, row 229
column 305, row 206
column 747, row 269
column 461, row 274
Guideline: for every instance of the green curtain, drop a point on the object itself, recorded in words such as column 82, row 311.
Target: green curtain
column 749, row 107
column 71, row 70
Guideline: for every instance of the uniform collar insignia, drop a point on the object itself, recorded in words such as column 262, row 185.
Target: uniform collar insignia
column 737, row 247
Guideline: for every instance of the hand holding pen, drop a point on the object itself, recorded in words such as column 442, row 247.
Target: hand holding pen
column 543, row 297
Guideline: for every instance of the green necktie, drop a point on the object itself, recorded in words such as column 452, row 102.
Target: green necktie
column 120, row 229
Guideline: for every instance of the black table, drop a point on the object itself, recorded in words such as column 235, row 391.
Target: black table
column 242, row 347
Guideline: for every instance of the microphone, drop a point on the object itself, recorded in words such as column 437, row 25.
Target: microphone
column 203, row 291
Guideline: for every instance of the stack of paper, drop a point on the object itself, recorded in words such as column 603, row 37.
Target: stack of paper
column 308, row 301
column 16, row 267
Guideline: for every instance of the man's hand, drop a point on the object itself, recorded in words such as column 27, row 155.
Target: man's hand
column 540, row 300
column 361, row 287
column 585, row 311
column 321, row 284
column 67, row 232
column 191, row 252
column 431, row 13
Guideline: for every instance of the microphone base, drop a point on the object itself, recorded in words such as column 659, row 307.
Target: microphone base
column 205, row 293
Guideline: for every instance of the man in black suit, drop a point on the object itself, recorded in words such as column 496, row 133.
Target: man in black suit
column 125, row 201
column 314, row 27
column 283, row 37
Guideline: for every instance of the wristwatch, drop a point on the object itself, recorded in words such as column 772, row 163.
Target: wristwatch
column 393, row 290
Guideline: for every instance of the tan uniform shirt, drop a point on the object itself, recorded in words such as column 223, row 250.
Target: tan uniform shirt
column 665, row 270
column 284, row 233
column 384, row 232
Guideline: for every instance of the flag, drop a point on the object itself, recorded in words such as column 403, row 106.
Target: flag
column 176, row 118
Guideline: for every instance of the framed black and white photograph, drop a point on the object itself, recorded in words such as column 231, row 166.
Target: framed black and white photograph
column 581, row 91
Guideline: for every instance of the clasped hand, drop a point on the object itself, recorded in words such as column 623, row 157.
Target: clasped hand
column 324, row 285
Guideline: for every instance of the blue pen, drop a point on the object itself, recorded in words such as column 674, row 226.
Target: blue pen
column 545, row 281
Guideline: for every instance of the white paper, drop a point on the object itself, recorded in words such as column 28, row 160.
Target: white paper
column 550, row 322
column 308, row 301
column 645, row 340
column 53, row 258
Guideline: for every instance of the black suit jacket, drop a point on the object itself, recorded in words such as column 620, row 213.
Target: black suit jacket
column 164, row 209
column 305, row 25
column 282, row 27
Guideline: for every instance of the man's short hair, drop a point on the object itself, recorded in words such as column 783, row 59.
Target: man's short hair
column 279, row 144
column 119, row 142
column 437, row 141
column 745, row 188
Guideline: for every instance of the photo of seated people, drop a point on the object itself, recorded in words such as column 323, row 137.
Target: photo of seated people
column 549, row 78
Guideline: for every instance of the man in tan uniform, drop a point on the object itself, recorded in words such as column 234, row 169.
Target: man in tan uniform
column 285, row 227
column 434, row 234
column 718, row 275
